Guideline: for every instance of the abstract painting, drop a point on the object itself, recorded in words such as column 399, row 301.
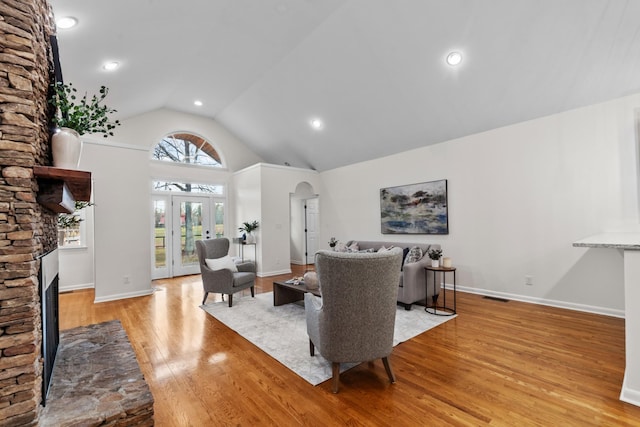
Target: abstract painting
column 415, row 209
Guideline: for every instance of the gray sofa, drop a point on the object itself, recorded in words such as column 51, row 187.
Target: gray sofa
column 412, row 287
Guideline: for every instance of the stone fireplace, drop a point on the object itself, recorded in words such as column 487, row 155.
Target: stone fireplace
column 27, row 229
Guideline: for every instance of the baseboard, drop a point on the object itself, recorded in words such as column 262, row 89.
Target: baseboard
column 115, row 297
column 71, row 288
column 273, row 273
column 542, row 301
column 629, row 395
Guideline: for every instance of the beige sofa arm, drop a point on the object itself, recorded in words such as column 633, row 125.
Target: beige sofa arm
column 413, row 273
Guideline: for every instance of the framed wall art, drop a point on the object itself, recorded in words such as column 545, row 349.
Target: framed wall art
column 415, row 209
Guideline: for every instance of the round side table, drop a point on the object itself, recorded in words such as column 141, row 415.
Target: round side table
column 444, row 309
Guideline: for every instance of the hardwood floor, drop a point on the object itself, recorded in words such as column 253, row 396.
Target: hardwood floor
column 497, row 363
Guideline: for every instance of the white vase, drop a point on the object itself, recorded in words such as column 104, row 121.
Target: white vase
column 66, row 147
column 250, row 238
column 435, row 263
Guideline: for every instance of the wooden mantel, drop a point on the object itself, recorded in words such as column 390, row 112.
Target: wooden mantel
column 61, row 188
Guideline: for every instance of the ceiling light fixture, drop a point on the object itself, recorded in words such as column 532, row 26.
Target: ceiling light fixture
column 197, row 103
column 110, row 66
column 454, row 58
column 316, row 124
column 66, row 22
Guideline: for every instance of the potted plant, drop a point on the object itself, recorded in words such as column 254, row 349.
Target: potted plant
column 435, row 255
column 76, row 116
column 248, row 228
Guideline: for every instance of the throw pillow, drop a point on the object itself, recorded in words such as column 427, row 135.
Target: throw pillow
column 341, row 247
column 224, row 263
column 414, row 255
column 311, row 280
column 382, row 249
column 353, row 247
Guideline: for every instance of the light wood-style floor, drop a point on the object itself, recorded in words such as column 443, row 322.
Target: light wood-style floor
column 497, row 363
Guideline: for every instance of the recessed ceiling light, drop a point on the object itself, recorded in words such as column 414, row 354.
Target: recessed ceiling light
column 110, row 66
column 317, row 124
column 197, row 103
column 454, row 58
column 66, row 22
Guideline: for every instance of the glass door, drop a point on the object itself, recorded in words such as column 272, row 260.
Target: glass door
column 178, row 222
column 161, row 237
column 191, row 222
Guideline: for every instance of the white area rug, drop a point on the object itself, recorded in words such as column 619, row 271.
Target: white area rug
column 281, row 331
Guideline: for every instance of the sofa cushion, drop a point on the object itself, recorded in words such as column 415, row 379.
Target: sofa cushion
column 341, row 247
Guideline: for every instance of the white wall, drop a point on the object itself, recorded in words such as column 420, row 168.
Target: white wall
column 263, row 192
column 518, row 197
column 122, row 220
column 248, row 208
column 122, row 172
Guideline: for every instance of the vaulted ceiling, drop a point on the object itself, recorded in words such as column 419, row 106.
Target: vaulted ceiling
column 373, row 71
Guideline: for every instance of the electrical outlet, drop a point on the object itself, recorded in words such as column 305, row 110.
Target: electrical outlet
column 528, row 280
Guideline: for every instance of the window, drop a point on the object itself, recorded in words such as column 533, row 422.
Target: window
column 187, row 148
column 71, row 227
column 188, row 187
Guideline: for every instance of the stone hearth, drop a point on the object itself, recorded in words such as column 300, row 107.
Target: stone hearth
column 97, row 381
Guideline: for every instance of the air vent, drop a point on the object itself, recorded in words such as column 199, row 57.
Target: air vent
column 496, row 299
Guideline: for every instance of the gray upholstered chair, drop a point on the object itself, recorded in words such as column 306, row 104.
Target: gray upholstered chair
column 355, row 318
column 223, row 281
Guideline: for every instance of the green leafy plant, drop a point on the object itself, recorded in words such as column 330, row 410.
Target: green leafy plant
column 72, row 220
column 249, row 226
column 435, row 254
column 81, row 114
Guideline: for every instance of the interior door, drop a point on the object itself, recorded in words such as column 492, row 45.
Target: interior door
column 312, row 226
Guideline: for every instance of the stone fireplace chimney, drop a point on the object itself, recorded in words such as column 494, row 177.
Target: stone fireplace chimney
column 27, row 230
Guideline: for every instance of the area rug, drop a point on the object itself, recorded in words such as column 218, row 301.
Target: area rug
column 281, row 331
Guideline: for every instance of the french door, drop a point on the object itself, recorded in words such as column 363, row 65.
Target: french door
column 179, row 221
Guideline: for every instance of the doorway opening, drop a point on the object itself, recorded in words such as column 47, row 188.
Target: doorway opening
column 304, row 224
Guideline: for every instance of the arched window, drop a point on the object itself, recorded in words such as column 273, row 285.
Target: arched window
column 187, row 148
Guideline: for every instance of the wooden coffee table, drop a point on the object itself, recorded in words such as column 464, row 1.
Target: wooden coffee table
column 286, row 293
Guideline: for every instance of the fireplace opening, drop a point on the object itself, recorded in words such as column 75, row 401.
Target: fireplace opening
column 50, row 324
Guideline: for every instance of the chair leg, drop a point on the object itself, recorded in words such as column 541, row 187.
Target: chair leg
column 335, row 369
column 230, row 299
column 252, row 292
column 206, row 294
column 387, row 367
column 312, row 349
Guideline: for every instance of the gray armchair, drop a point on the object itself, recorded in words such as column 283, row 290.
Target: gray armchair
column 223, row 281
column 355, row 318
